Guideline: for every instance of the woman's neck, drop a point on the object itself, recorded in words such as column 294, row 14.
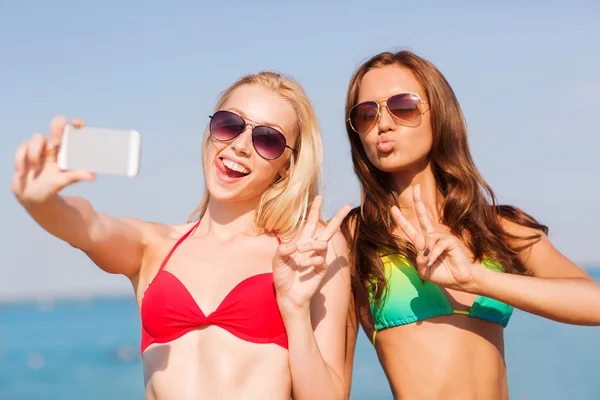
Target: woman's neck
column 228, row 219
column 404, row 183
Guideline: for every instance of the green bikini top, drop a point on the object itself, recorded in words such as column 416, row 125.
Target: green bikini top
column 409, row 299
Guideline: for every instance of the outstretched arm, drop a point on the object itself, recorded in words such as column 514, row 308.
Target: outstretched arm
column 557, row 289
column 116, row 245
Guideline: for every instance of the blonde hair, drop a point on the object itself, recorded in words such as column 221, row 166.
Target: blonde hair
column 284, row 205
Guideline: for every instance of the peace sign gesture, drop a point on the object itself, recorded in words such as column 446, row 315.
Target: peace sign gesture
column 300, row 266
column 440, row 259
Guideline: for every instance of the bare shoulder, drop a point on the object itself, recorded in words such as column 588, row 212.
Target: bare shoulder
column 153, row 231
column 537, row 253
column 348, row 226
column 159, row 238
column 526, row 240
column 518, row 230
column 176, row 231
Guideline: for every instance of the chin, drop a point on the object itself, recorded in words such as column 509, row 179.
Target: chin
column 231, row 196
column 393, row 163
column 242, row 191
column 228, row 193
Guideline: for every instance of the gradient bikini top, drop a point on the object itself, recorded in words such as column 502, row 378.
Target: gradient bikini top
column 249, row 311
column 410, row 299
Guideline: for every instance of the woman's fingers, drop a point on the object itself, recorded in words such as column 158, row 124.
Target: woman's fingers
column 444, row 244
column 21, row 159
column 36, row 153
column 310, row 227
column 431, row 241
column 71, row 177
column 421, row 210
column 316, row 245
column 334, row 223
column 409, row 230
column 57, row 127
column 315, row 261
column 21, row 170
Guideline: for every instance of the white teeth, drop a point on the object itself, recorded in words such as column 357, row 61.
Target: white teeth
column 235, row 166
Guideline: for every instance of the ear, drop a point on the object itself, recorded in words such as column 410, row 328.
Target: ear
column 282, row 173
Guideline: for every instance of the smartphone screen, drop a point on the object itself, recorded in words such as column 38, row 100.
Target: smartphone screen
column 100, row 150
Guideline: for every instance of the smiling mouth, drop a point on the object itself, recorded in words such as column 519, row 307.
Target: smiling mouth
column 230, row 169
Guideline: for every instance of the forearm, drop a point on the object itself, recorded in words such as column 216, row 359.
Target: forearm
column 567, row 300
column 69, row 218
column 312, row 377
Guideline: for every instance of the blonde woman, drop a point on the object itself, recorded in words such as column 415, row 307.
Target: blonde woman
column 249, row 301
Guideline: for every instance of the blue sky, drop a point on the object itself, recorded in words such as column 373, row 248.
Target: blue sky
column 527, row 77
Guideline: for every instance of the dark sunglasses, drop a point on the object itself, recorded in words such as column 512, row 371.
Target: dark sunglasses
column 268, row 142
column 405, row 107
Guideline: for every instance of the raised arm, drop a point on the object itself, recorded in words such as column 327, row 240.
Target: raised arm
column 116, row 245
column 313, row 289
column 557, row 288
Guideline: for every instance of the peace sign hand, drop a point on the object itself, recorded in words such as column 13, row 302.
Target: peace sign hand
column 440, row 258
column 300, row 266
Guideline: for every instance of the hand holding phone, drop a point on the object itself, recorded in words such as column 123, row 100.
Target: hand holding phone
column 40, row 175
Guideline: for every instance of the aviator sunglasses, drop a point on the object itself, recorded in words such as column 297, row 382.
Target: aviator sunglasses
column 268, row 142
column 404, row 107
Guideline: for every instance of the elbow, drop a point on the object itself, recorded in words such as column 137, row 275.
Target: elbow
column 594, row 318
column 343, row 392
column 596, row 314
column 596, row 307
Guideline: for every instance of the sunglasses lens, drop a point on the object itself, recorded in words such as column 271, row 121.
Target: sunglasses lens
column 268, row 142
column 363, row 116
column 225, row 125
column 405, row 106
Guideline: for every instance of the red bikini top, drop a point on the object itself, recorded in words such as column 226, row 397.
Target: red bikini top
column 249, row 311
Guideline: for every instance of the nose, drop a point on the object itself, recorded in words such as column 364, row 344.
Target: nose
column 386, row 122
column 242, row 144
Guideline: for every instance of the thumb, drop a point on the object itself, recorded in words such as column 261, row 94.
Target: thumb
column 71, row 177
column 422, row 267
column 284, row 251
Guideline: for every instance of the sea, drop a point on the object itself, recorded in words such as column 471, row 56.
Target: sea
column 89, row 349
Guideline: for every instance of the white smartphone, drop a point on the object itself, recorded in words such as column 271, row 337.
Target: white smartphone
column 100, row 150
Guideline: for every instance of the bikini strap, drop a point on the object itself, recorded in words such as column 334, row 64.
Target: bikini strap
column 181, row 239
column 186, row 235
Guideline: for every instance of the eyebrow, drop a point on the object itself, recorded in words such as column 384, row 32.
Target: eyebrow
column 270, row 124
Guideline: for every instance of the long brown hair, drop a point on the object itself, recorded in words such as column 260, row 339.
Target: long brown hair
column 469, row 207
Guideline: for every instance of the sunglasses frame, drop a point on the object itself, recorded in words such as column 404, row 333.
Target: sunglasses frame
column 246, row 125
column 383, row 103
